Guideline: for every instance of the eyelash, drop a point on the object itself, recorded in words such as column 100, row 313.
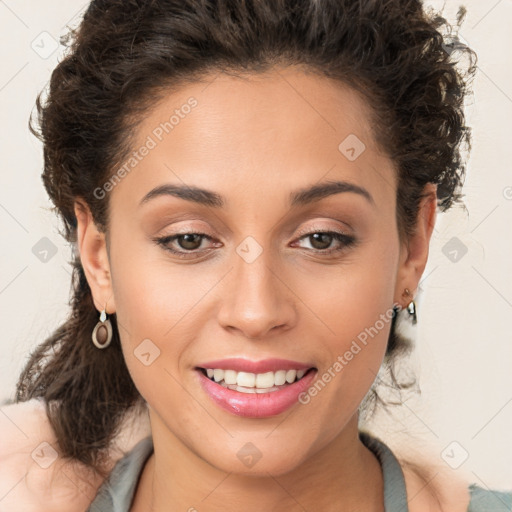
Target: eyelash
column 346, row 240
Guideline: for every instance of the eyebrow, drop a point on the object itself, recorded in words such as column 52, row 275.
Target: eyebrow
column 297, row 198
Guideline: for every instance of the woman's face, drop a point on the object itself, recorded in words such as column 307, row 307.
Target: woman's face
column 260, row 284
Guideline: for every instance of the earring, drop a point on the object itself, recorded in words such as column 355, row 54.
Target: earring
column 411, row 308
column 102, row 333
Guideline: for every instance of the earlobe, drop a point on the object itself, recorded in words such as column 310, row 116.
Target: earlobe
column 91, row 244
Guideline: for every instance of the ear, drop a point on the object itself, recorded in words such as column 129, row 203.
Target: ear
column 94, row 257
column 414, row 252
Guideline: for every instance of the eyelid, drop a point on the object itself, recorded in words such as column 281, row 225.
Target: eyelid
column 172, row 229
column 315, row 228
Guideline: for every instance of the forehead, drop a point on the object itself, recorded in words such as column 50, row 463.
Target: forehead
column 280, row 130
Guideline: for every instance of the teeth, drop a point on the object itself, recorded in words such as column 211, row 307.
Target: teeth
column 230, row 376
column 290, row 375
column 280, row 377
column 252, row 390
column 247, row 380
column 264, row 381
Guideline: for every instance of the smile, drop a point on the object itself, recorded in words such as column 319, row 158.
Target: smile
column 247, row 382
column 255, row 395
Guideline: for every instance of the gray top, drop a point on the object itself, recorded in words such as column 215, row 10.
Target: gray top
column 116, row 493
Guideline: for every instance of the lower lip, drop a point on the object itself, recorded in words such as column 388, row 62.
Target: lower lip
column 256, row 405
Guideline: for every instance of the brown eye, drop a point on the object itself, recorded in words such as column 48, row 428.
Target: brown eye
column 189, row 241
column 183, row 245
column 322, row 240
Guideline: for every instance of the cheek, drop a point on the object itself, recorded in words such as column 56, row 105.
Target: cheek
column 157, row 308
column 352, row 296
column 154, row 296
column 356, row 310
column 359, row 325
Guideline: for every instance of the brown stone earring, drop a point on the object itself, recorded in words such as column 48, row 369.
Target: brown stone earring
column 102, row 333
column 411, row 308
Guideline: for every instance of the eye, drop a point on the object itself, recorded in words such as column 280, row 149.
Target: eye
column 189, row 242
column 322, row 240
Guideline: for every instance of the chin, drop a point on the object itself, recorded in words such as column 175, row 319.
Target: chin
column 249, row 460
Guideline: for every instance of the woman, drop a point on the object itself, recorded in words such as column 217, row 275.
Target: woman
column 250, row 189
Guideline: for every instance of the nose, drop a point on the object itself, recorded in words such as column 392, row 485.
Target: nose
column 256, row 299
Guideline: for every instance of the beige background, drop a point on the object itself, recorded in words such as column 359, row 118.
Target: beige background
column 464, row 344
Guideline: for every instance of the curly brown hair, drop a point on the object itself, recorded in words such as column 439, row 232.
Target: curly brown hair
column 127, row 55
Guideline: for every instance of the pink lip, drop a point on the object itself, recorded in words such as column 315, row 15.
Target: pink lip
column 240, row 364
column 257, row 405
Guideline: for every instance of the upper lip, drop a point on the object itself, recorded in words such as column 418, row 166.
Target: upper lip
column 241, row 364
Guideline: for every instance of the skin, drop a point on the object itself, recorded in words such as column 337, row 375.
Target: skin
column 254, row 141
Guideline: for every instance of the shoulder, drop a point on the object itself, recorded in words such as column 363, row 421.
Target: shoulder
column 431, row 488
column 489, row 500
column 434, row 487
column 33, row 474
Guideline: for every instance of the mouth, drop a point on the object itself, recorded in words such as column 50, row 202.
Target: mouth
column 246, row 382
column 252, row 395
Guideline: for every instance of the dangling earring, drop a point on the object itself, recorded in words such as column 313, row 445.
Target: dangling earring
column 102, row 333
column 411, row 308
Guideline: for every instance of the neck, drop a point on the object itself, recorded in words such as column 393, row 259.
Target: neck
column 343, row 474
